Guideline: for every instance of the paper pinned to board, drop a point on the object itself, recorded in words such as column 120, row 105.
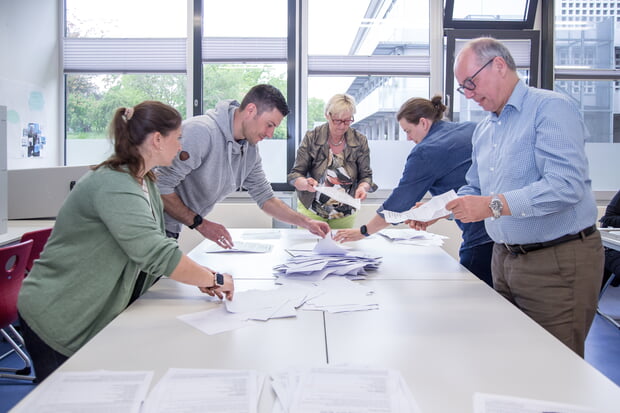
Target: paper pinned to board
column 433, row 209
column 340, row 196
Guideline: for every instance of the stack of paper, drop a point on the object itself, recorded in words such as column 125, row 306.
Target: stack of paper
column 343, row 390
column 412, row 237
column 327, row 258
column 200, row 390
column 310, row 267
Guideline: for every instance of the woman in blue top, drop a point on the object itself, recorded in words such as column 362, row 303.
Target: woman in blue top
column 437, row 163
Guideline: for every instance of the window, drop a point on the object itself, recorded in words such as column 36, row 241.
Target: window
column 590, row 77
column 380, row 56
column 114, row 59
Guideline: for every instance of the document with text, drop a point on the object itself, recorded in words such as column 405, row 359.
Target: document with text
column 94, row 391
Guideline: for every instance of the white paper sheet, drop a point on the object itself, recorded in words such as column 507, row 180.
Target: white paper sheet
column 433, row 209
column 343, row 390
column 328, row 246
column 96, row 391
column 240, row 246
column 198, row 390
column 340, row 196
column 214, row 321
column 493, row 403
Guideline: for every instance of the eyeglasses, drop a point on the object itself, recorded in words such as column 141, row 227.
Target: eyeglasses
column 339, row 122
column 469, row 82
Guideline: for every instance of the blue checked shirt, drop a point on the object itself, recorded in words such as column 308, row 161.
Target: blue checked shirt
column 533, row 153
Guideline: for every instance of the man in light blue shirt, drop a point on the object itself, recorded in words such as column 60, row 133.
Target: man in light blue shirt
column 529, row 182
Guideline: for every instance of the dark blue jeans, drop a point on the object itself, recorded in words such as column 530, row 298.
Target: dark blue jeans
column 44, row 358
column 478, row 260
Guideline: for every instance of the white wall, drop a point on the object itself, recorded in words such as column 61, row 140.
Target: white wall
column 29, row 77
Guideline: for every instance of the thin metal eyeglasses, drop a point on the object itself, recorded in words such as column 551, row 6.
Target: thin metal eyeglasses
column 339, row 122
column 469, row 82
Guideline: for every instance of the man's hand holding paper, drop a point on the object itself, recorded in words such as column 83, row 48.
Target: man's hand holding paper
column 432, row 210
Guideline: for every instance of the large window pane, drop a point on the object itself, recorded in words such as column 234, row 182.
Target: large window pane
column 245, row 18
column 586, row 40
column 126, row 18
column 378, row 100
column 92, row 100
column 485, row 10
column 228, row 81
column 354, row 27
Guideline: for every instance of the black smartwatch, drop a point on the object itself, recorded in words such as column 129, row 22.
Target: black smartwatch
column 218, row 279
column 197, row 221
column 364, row 231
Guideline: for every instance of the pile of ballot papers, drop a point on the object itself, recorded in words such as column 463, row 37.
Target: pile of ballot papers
column 327, row 258
column 335, row 295
column 342, row 389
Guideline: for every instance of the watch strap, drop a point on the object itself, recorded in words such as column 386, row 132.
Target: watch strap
column 364, row 231
column 197, row 221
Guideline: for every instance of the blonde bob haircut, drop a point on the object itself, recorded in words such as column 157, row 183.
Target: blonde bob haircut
column 340, row 103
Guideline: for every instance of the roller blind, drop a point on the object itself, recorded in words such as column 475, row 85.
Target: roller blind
column 124, row 55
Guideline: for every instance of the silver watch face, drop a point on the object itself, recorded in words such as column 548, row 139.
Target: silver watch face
column 496, row 207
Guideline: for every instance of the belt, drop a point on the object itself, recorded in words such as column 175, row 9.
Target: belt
column 525, row 248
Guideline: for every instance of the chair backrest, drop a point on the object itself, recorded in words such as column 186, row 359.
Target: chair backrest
column 39, row 237
column 13, row 261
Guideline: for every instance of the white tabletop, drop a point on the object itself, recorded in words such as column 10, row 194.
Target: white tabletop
column 449, row 334
column 16, row 228
column 399, row 261
column 451, row 339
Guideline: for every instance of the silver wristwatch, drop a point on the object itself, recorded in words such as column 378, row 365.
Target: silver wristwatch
column 496, row 207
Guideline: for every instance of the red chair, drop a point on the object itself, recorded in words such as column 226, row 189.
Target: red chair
column 40, row 238
column 13, row 260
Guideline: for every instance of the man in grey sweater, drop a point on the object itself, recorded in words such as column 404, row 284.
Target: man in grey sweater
column 219, row 156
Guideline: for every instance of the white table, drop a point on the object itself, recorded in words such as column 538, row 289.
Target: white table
column 16, row 228
column 449, row 334
column 399, row 261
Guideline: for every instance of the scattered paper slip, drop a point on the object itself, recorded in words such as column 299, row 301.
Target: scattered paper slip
column 493, row 403
column 412, row 237
column 433, row 209
column 340, row 196
column 240, row 246
column 249, row 307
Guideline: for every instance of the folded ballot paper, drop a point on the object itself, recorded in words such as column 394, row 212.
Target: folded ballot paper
column 412, row 237
column 335, row 295
column 326, row 259
column 433, row 209
column 340, row 196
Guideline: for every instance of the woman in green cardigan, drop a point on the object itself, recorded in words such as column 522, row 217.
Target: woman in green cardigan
column 108, row 245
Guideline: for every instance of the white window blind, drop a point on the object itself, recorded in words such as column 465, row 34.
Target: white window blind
column 124, row 55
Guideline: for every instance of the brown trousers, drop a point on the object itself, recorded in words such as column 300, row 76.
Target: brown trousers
column 556, row 286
